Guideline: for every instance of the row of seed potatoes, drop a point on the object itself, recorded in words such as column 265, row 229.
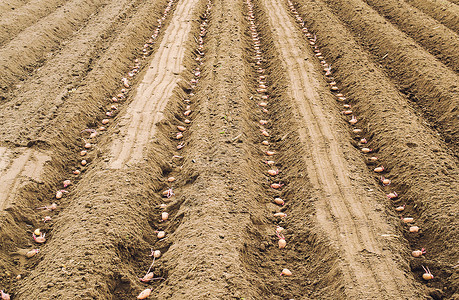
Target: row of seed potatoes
column 263, row 98
column 89, row 140
column 362, row 141
column 179, row 136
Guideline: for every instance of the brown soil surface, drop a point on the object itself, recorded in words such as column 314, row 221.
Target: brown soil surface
column 427, row 32
column 444, row 11
column 212, row 111
column 24, row 16
column 8, row 5
column 426, row 81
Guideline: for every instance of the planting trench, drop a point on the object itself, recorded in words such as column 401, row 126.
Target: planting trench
column 444, row 11
column 342, row 205
column 307, row 253
column 410, row 151
column 25, row 188
column 22, row 17
column 428, row 83
column 191, row 135
column 427, row 32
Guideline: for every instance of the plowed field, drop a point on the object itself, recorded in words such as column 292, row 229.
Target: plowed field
column 238, row 149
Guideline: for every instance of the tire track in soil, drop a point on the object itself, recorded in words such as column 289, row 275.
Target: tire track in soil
column 422, row 168
column 186, row 95
column 353, row 228
column 436, row 38
column 138, row 124
column 94, row 250
column 307, row 253
column 443, row 11
column 17, row 167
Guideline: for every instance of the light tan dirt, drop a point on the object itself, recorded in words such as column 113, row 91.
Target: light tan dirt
column 17, row 168
column 63, row 61
column 444, row 11
column 20, row 18
column 137, row 126
column 9, row 5
column 428, row 82
column 343, row 210
column 427, row 32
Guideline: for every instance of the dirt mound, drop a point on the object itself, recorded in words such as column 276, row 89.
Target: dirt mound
column 446, row 12
column 266, row 149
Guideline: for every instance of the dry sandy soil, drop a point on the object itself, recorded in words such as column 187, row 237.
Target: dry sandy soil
column 236, row 118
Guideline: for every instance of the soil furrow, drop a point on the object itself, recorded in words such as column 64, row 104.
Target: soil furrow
column 418, row 74
column 327, row 171
column 18, row 166
column 443, row 11
column 427, row 32
column 82, row 217
column 19, row 19
column 213, row 220
column 312, row 275
column 28, row 50
column 204, row 133
column 105, row 77
column 95, row 240
column 408, row 149
column 47, row 97
column 137, row 126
